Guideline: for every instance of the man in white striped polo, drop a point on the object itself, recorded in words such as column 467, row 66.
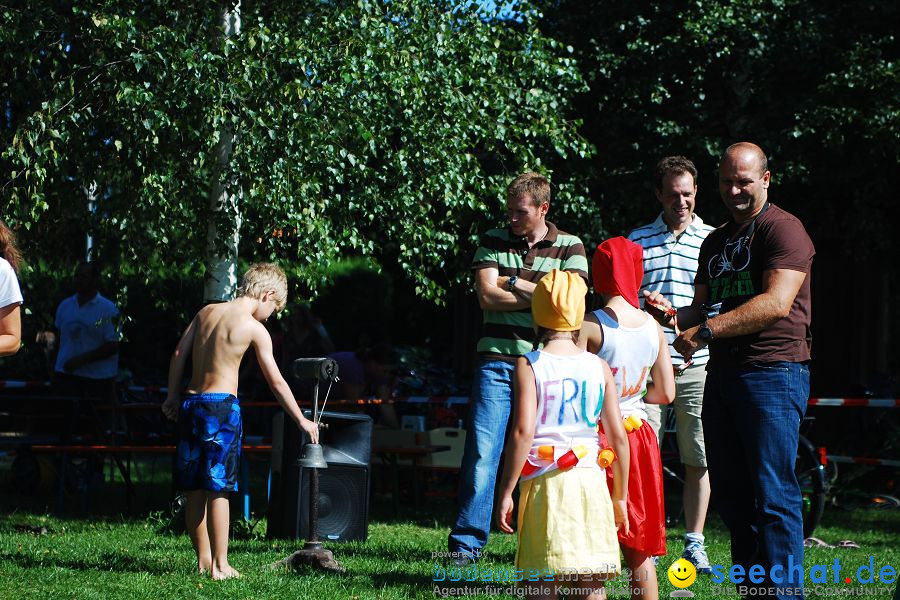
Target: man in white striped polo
column 671, row 245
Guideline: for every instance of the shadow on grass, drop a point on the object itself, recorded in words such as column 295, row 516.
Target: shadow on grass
column 377, row 580
column 377, row 576
column 400, row 555
column 106, row 561
column 380, row 580
column 11, row 521
column 874, row 529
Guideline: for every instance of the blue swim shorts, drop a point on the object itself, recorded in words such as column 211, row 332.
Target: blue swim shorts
column 208, row 454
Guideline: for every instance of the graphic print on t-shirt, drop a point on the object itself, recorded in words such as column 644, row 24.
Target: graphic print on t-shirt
column 628, row 391
column 735, row 285
column 735, row 256
column 727, row 275
column 568, row 399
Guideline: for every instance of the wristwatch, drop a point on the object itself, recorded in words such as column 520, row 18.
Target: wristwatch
column 705, row 333
column 511, row 283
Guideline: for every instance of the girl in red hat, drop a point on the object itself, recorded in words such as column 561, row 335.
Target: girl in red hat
column 634, row 346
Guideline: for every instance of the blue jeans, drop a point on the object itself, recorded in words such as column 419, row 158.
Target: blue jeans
column 751, row 424
column 488, row 415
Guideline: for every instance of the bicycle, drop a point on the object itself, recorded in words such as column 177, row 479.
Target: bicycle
column 673, row 472
column 866, row 458
column 810, row 470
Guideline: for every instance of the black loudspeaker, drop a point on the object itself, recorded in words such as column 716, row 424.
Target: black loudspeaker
column 343, row 487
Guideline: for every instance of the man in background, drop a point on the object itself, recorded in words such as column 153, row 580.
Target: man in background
column 88, row 357
column 671, row 245
column 508, row 264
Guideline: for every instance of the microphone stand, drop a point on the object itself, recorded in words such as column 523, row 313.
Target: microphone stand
column 312, row 458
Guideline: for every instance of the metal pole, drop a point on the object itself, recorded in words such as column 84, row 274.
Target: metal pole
column 313, row 540
column 313, row 553
column 91, row 193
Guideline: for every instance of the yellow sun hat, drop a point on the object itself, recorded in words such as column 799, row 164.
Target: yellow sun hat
column 558, row 301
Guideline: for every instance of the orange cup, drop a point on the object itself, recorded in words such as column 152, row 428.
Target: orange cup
column 606, row 457
column 545, row 452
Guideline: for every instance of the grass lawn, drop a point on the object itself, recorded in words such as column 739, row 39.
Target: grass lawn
column 137, row 557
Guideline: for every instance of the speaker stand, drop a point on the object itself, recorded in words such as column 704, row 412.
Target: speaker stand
column 313, row 554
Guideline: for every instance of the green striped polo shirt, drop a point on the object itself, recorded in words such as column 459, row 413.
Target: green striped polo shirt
column 508, row 334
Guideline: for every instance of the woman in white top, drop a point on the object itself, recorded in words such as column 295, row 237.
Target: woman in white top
column 567, row 517
column 10, row 293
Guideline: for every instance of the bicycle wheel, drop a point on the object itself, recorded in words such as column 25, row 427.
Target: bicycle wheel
column 811, row 477
column 673, row 490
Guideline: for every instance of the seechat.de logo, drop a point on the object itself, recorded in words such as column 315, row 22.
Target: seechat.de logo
column 682, row 574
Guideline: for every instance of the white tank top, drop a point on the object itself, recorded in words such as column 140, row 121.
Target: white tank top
column 569, row 401
column 631, row 353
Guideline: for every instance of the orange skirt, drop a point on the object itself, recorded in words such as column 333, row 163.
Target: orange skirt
column 646, row 507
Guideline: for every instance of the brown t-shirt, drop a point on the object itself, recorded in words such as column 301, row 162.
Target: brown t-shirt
column 731, row 263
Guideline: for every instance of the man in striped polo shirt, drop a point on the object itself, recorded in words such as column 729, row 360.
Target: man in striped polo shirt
column 671, row 246
column 508, row 264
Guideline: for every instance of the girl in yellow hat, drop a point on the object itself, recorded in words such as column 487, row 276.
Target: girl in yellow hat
column 567, row 524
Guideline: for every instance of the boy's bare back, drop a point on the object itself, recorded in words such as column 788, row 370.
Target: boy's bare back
column 222, row 334
column 219, row 336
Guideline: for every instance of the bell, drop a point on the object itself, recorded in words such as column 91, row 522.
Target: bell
column 312, row 457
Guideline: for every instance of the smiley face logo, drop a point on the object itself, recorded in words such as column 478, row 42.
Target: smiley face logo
column 682, row 573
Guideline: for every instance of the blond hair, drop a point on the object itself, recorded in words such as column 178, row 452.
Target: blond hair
column 262, row 277
column 532, row 184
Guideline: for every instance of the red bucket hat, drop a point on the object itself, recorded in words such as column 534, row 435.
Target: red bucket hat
column 618, row 268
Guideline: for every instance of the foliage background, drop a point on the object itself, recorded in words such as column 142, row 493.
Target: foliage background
column 388, row 131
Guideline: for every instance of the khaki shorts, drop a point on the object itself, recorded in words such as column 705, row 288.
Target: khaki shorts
column 688, row 405
column 656, row 418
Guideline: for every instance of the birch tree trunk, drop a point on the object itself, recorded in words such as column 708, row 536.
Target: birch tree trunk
column 223, row 230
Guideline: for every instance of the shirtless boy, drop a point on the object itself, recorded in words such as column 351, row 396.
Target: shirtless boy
column 209, row 417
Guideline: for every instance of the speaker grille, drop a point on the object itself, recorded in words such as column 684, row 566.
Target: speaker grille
column 343, row 503
column 343, row 486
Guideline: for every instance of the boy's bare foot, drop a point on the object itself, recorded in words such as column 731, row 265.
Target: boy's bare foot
column 227, row 573
column 204, row 566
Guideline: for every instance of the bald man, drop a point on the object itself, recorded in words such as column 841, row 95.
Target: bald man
column 751, row 307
